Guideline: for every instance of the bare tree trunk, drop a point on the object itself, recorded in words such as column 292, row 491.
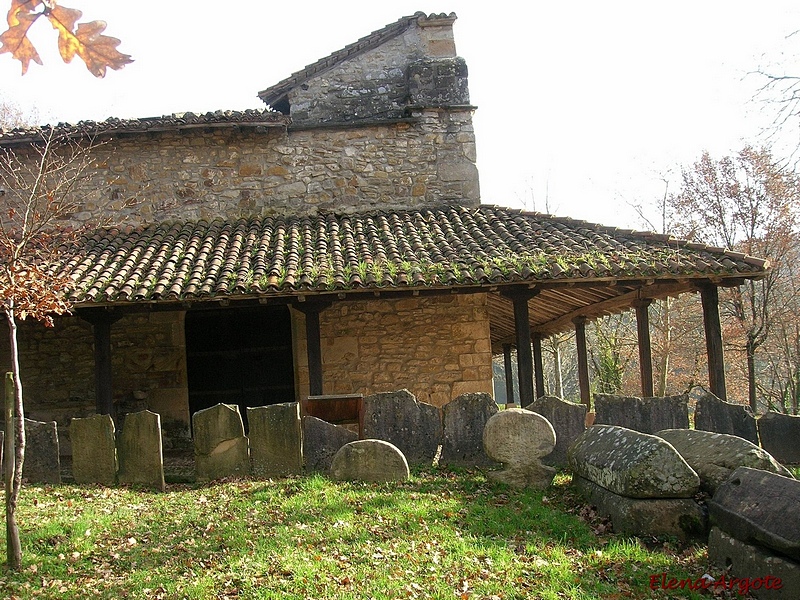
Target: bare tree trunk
column 13, row 464
column 559, row 381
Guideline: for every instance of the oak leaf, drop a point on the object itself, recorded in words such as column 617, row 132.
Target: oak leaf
column 15, row 39
column 98, row 52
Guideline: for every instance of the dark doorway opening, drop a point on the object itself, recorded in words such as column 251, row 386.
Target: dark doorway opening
column 239, row 356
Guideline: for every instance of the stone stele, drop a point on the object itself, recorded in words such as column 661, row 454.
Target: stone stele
column 94, row 452
column 321, row 442
column 464, row 419
column 42, row 462
column 141, row 458
column 220, row 446
column 714, row 456
column 400, row 419
column 632, row 464
column 758, row 507
column 276, row 444
column 569, row 421
column 647, row 415
column 713, row 414
column 779, row 435
column 369, row 460
column 519, row 439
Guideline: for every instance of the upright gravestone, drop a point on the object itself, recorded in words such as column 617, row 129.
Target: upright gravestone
column 42, row 462
column 141, row 459
column 713, row 414
column 400, row 419
column 369, row 460
column 646, row 415
column 94, row 452
column 464, row 419
column 568, row 420
column 779, row 435
column 220, row 446
column 276, row 440
column 518, row 439
column 321, row 442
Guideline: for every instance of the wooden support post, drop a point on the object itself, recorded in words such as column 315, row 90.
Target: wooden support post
column 583, row 361
column 645, row 352
column 509, row 374
column 314, row 349
column 522, row 328
column 709, row 295
column 538, row 365
column 101, row 321
column 313, row 345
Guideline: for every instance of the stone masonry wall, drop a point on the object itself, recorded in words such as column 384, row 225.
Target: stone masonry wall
column 437, row 347
column 148, row 355
column 57, row 366
column 417, row 68
column 148, row 370
column 203, row 174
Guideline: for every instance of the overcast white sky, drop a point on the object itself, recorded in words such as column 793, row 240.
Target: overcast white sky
column 582, row 103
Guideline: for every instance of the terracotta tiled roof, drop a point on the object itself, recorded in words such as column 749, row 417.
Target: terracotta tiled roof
column 188, row 120
column 447, row 247
column 273, row 94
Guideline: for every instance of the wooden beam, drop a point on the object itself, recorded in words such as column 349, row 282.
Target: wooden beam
column 583, row 361
column 538, row 365
column 709, row 295
column 101, row 321
column 522, row 329
column 509, row 374
column 313, row 345
column 615, row 304
column 645, row 353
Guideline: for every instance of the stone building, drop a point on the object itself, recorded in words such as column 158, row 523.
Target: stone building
column 332, row 242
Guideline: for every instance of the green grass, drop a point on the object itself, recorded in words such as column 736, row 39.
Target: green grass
column 441, row 535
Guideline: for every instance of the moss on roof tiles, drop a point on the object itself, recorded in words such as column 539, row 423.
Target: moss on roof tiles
column 451, row 246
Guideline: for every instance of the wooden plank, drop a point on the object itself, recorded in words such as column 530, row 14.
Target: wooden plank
column 341, row 409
